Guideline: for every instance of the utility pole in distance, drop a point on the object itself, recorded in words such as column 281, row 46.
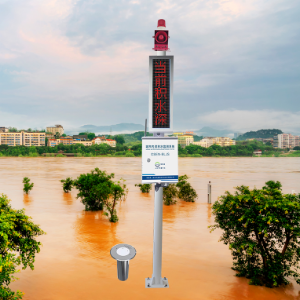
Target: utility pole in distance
column 160, row 153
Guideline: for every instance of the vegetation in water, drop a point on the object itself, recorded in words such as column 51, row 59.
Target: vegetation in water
column 27, row 185
column 182, row 190
column 262, row 229
column 144, row 188
column 18, row 246
column 117, row 192
column 97, row 190
column 185, row 190
column 170, row 194
column 67, row 184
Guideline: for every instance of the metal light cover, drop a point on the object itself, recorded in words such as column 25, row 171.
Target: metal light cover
column 123, row 253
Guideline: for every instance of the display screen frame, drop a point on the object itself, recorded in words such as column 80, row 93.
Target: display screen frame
column 158, row 122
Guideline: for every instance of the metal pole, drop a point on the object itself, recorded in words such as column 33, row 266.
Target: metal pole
column 209, row 193
column 157, row 238
column 157, row 281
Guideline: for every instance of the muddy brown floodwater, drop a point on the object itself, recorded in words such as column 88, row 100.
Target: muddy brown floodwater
column 75, row 263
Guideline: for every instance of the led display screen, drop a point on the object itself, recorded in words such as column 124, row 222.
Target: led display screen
column 161, row 93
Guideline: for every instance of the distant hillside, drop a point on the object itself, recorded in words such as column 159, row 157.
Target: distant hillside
column 134, row 137
column 262, row 133
column 118, row 127
column 207, row 131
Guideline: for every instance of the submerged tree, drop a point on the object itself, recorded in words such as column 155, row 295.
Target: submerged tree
column 18, row 246
column 93, row 188
column 67, row 184
column 262, row 229
column 186, row 192
column 144, row 188
column 116, row 192
column 27, row 185
column 169, row 194
column 97, row 190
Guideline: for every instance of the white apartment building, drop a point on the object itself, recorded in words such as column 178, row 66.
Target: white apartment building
column 209, row 141
column 22, row 138
column 286, row 141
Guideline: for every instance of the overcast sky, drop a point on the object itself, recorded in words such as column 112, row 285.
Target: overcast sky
column 237, row 62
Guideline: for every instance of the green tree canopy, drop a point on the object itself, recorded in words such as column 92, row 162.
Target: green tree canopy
column 262, row 229
column 96, row 190
column 27, row 185
column 119, row 139
column 18, row 245
column 67, row 184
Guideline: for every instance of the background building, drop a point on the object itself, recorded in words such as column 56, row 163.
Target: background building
column 3, row 129
column 237, row 134
column 286, row 141
column 22, row 138
column 111, row 143
column 82, row 137
column 98, row 140
column 85, row 143
column 184, row 139
column 221, row 141
column 57, row 128
column 52, row 142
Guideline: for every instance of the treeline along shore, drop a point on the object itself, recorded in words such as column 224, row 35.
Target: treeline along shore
column 241, row 149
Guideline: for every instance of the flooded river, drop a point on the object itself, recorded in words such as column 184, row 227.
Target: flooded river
column 75, row 262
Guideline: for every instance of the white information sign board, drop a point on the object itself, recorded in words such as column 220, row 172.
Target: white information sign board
column 159, row 159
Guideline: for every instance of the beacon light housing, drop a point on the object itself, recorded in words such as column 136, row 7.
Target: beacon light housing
column 123, row 253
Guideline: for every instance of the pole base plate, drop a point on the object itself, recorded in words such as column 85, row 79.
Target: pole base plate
column 149, row 283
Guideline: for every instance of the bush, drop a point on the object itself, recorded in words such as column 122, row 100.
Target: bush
column 27, row 185
column 60, row 155
column 33, row 154
column 186, row 192
column 79, row 154
column 129, row 154
column 17, row 246
column 262, row 229
column 145, row 188
column 170, row 194
column 96, row 190
column 67, row 184
column 197, row 155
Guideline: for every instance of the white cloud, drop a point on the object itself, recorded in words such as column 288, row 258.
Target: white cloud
column 246, row 120
column 21, row 121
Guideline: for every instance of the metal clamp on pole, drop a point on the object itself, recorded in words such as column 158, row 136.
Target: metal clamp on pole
column 123, row 253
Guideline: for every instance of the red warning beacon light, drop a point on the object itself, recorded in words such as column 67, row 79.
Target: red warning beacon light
column 161, row 36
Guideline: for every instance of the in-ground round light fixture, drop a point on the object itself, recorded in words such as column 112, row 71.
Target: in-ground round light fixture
column 123, row 253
